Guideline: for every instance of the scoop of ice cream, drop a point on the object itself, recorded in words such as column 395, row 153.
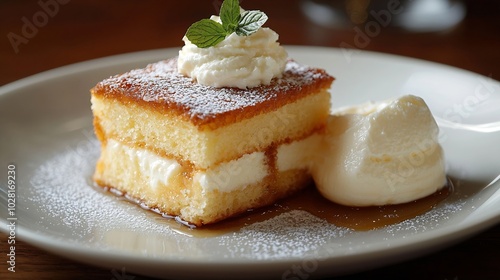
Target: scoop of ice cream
column 379, row 154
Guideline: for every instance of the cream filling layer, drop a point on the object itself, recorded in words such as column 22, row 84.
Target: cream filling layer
column 298, row 154
column 229, row 176
column 236, row 174
column 158, row 170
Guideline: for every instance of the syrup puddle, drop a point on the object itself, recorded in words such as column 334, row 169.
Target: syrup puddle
column 309, row 200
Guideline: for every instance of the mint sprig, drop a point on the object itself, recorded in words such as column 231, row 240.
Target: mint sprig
column 230, row 15
column 207, row 33
column 250, row 22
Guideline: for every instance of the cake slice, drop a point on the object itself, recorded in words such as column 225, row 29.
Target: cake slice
column 203, row 153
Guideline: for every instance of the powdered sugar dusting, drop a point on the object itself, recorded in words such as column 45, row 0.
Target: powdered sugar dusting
column 160, row 83
column 427, row 221
column 66, row 203
column 292, row 234
column 63, row 186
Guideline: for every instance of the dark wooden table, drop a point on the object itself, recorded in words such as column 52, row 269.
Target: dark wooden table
column 36, row 37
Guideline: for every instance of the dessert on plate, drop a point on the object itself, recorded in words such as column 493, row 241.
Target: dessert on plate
column 232, row 124
column 213, row 132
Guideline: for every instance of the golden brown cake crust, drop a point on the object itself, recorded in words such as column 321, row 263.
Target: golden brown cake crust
column 160, row 86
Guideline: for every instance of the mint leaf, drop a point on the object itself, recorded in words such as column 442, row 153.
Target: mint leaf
column 230, row 15
column 206, row 33
column 250, row 22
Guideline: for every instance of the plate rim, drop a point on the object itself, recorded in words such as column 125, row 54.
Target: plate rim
column 465, row 229
column 139, row 56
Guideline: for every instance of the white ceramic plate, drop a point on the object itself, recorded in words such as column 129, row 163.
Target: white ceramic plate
column 46, row 131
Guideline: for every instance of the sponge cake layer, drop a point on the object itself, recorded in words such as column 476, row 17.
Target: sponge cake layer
column 174, row 137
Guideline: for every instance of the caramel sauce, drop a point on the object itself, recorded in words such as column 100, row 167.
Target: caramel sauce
column 310, row 200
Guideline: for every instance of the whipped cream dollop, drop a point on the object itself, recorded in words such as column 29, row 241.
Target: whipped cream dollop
column 238, row 61
column 380, row 154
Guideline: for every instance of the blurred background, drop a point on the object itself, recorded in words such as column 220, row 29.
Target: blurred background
column 40, row 35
